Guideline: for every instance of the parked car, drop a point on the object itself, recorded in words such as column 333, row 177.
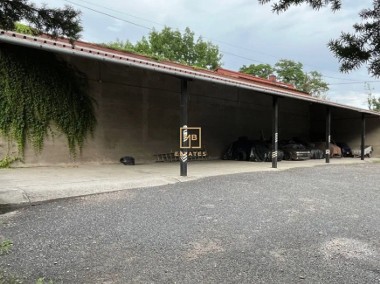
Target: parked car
column 346, row 150
column 335, row 150
column 262, row 152
column 294, row 151
column 238, row 150
column 250, row 150
column 367, row 152
column 315, row 153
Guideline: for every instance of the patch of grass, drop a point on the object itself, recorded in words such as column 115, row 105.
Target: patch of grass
column 5, row 246
column 8, row 279
column 42, row 281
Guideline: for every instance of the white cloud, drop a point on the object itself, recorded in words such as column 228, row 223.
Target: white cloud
column 117, row 26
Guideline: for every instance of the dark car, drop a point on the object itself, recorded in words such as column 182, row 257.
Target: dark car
column 250, row 150
column 315, row 153
column 294, row 151
column 261, row 152
column 346, row 150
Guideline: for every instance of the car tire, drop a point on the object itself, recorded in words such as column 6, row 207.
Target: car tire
column 287, row 156
column 242, row 156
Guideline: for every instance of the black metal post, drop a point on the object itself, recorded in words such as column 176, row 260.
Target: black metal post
column 328, row 134
column 183, row 122
column 363, row 138
column 275, row 132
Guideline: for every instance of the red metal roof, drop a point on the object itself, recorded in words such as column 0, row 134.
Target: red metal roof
column 97, row 49
column 220, row 76
column 253, row 78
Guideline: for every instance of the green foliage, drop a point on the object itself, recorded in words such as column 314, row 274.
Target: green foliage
column 172, row 45
column 283, row 5
column 5, row 246
column 43, row 281
column 291, row 72
column 352, row 49
column 373, row 102
column 361, row 47
column 7, row 161
column 6, row 279
column 57, row 22
column 39, row 95
column 121, row 45
column 24, row 29
column 315, row 85
column 259, row 70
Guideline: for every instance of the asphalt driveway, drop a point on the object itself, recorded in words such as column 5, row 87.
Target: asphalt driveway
column 303, row 225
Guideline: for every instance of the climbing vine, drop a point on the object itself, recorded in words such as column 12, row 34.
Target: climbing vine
column 40, row 95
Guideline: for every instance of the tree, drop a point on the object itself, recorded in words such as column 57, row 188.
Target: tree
column 291, row 72
column 56, row 22
column 172, row 45
column 283, row 5
column 315, row 85
column 361, row 47
column 260, row 70
column 352, row 49
column 373, row 102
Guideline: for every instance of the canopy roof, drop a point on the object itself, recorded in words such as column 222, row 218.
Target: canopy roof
column 219, row 76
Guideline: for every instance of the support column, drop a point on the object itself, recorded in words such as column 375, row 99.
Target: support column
column 363, row 138
column 275, row 132
column 328, row 134
column 183, row 124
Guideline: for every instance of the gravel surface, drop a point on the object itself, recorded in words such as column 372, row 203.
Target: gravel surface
column 305, row 225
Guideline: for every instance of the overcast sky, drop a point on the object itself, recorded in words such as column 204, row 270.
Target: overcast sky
column 246, row 33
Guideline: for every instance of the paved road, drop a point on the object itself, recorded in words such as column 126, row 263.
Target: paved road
column 312, row 225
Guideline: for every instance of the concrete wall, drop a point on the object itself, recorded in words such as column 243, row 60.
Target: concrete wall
column 138, row 115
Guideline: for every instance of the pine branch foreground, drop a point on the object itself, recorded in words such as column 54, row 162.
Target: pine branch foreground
column 353, row 50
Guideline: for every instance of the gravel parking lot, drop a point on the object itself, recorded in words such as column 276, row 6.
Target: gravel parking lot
column 304, row 225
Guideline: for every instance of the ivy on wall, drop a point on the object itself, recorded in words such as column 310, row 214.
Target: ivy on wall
column 40, row 95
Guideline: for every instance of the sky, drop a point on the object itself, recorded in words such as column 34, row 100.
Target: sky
column 245, row 31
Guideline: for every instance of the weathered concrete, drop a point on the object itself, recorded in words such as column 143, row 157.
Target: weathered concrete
column 138, row 115
column 36, row 184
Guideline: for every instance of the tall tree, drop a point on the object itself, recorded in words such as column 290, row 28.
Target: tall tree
column 373, row 102
column 315, row 85
column 352, row 49
column 56, row 22
column 291, row 72
column 259, row 70
column 173, row 45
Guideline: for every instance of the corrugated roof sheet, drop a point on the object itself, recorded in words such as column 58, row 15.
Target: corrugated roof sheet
column 220, row 76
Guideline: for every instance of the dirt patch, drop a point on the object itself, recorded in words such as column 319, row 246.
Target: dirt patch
column 349, row 249
column 205, row 247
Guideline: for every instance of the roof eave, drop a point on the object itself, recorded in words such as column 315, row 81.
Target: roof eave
column 73, row 50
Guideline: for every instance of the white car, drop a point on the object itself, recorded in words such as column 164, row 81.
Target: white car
column 367, row 152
